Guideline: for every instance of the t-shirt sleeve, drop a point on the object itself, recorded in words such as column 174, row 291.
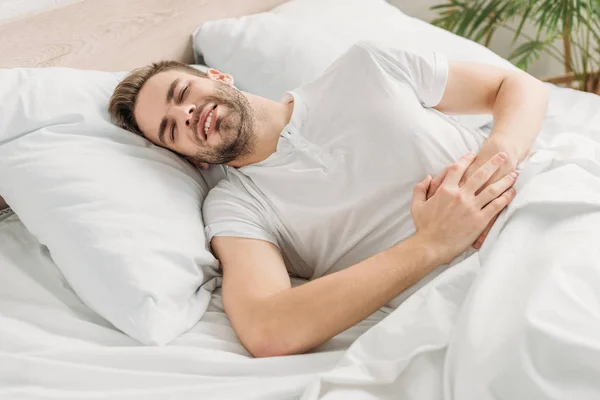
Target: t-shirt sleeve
column 228, row 212
column 426, row 73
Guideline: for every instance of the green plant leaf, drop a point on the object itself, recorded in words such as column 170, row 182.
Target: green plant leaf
column 488, row 28
column 449, row 15
column 478, row 18
column 553, row 19
column 525, row 53
column 549, row 15
column 498, row 16
column 521, row 24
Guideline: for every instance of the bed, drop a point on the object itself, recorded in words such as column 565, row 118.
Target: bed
column 52, row 346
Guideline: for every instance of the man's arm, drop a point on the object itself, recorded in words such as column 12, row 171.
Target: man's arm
column 272, row 319
column 3, row 204
column 517, row 100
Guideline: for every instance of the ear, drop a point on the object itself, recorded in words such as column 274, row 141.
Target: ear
column 216, row 75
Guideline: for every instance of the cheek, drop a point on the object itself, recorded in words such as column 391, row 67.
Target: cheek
column 199, row 92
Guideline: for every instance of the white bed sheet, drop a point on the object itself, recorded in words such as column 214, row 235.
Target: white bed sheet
column 53, row 347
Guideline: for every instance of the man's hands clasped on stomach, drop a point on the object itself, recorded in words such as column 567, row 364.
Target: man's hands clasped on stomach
column 490, row 148
column 454, row 216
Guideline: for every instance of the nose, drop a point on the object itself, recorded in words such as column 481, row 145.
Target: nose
column 183, row 114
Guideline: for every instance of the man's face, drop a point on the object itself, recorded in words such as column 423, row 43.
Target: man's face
column 205, row 119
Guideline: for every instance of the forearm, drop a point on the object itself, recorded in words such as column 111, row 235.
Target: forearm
column 299, row 319
column 3, row 204
column 518, row 112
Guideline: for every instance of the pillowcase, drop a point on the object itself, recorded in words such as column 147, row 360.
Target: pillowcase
column 120, row 216
column 270, row 53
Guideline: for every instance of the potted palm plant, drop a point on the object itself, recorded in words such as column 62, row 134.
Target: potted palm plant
column 574, row 24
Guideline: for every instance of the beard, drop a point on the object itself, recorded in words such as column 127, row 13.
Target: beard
column 236, row 128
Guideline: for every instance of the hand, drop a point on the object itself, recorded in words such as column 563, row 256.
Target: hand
column 488, row 150
column 455, row 216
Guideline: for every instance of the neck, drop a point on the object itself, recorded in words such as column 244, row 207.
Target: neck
column 270, row 119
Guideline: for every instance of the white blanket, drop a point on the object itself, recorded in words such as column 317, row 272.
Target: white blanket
column 528, row 325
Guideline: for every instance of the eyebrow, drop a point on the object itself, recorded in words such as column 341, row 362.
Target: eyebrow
column 171, row 91
column 163, row 123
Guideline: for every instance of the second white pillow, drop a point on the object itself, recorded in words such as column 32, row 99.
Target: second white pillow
column 269, row 53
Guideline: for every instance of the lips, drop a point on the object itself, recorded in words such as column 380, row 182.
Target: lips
column 213, row 121
column 200, row 126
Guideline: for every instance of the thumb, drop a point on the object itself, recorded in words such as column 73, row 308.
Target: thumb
column 420, row 191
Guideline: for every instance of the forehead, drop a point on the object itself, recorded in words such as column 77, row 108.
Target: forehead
column 150, row 106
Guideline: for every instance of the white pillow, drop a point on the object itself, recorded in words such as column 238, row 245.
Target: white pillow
column 120, row 216
column 269, row 53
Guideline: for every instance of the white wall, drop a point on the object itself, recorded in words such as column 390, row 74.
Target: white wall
column 13, row 9
column 542, row 68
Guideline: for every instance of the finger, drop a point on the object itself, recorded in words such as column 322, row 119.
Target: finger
column 498, row 204
column 494, row 190
column 472, row 168
column 499, row 174
column 436, row 182
column 485, row 172
column 479, row 242
column 420, row 191
column 456, row 170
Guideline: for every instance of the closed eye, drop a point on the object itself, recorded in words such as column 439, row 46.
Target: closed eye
column 173, row 133
column 183, row 93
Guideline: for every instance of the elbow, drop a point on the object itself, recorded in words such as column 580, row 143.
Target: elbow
column 545, row 92
column 532, row 83
column 271, row 343
column 539, row 85
column 542, row 93
column 263, row 350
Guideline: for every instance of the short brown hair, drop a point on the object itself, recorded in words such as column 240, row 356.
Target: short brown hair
column 122, row 102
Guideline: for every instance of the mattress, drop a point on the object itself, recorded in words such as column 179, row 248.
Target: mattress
column 52, row 346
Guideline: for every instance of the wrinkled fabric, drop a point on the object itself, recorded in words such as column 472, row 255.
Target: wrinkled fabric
column 517, row 320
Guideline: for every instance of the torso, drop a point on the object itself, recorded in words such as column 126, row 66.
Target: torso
column 340, row 184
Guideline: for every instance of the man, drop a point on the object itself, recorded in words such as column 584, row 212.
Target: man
column 320, row 185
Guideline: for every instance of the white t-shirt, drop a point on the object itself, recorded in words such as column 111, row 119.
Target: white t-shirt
column 339, row 187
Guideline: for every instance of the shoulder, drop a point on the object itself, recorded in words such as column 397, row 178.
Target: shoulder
column 385, row 52
column 232, row 193
column 227, row 189
column 366, row 48
column 362, row 54
column 358, row 49
column 233, row 208
column 354, row 60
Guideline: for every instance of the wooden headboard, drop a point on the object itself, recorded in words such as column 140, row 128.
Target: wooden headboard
column 114, row 35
